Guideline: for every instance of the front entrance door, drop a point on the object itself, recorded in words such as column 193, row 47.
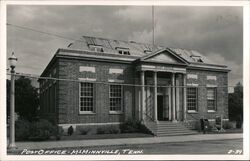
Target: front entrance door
column 160, row 110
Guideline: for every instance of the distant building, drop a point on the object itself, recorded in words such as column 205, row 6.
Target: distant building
column 119, row 80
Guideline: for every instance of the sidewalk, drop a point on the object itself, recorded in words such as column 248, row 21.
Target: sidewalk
column 124, row 141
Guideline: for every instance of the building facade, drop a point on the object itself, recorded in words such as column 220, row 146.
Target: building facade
column 97, row 81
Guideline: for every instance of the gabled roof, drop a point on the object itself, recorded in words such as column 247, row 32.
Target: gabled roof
column 164, row 55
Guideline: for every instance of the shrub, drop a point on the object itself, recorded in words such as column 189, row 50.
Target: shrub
column 113, row 130
column 197, row 126
column 22, row 130
column 129, row 126
column 101, row 130
column 59, row 133
column 83, row 130
column 42, row 130
column 228, row 125
column 144, row 129
column 132, row 126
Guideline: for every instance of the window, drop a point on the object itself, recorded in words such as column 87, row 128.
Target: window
column 86, row 97
column 97, row 48
column 147, row 51
column 115, row 98
column 196, row 58
column 192, row 98
column 123, row 51
column 211, row 99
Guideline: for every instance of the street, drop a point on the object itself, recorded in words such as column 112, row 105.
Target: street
column 233, row 147
column 195, row 147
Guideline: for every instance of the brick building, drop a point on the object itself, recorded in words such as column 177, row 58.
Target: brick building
column 117, row 80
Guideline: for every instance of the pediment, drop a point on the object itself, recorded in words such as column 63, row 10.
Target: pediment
column 164, row 56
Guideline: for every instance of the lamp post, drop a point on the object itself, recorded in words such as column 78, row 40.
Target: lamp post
column 12, row 61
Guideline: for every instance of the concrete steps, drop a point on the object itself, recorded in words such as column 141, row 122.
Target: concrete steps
column 167, row 128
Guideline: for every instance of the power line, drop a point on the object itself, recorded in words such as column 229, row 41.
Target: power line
column 42, row 32
column 102, row 82
column 54, row 35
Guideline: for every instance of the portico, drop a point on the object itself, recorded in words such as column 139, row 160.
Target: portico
column 161, row 88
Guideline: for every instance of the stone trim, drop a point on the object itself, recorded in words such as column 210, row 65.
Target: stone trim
column 192, row 111
column 192, row 76
column 192, row 84
column 115, row 71
column 87, row 79
column 86, row 69
column 211, row 85
column 210, row 77
column 116, row 80
column 211, row 111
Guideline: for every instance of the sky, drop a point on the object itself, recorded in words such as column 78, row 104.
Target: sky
column 216, row 32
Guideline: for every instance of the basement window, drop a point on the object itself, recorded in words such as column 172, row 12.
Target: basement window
column 196, row 58
column 123, row 51
column 96, row 48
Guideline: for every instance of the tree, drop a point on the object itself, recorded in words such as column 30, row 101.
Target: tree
column 236, row 105
column 26, row 99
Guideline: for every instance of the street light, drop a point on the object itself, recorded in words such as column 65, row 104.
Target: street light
column 12, row 61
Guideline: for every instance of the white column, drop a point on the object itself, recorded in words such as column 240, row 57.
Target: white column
column 142, row 95
column 184, row 97
column 169, row 104
column 173, row 96
column 177, row 97
column 155, row 96
column 166, row 103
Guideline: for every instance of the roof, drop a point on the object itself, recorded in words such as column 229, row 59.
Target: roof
column 136, row 49
column 108, row 49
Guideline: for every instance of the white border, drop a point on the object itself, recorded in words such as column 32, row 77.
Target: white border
column 246, row 68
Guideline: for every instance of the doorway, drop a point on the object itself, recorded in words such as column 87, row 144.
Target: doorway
column 160, row 108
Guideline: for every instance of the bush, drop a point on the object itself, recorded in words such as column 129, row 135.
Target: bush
column 83, row 130
column 228, row 125
column 133, row 126
column 42, row 130
column 113, row 130
column 101, row 130
column 59, row 133
column 197, row 126
column 130, row 126
column 22, row 130
column 144, row 129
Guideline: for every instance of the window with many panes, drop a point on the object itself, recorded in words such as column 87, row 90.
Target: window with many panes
column 192, row 98
column 211, row 99
column 115, row 98
column 86, row 97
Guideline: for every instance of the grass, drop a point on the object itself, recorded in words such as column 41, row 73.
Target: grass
column 104, row 136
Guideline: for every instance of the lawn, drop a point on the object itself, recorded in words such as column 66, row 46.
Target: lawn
column 104, row 136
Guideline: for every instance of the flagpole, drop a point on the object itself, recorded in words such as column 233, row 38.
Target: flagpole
column 153, row 22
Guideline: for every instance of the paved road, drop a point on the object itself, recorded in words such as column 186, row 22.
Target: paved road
column 194, row 147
